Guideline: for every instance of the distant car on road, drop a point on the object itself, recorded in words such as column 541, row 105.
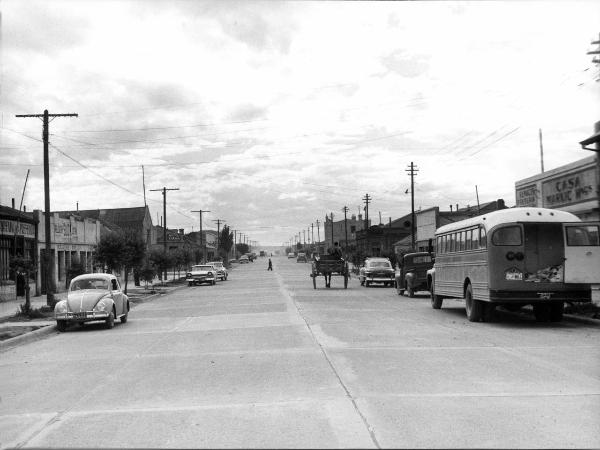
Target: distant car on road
column 376, row 270
column 222, row 273
column 201, row 273
column 244, row 259
column 291, row 255
column 92, row 297
column 411, row 275
column 301, row 257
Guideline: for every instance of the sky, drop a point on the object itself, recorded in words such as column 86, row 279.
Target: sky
column 273, row 114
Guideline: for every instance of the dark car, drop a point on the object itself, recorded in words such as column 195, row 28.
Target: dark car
column 411, row 275
column 301, row 257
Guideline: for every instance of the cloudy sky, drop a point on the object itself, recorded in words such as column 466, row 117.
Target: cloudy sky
column 273, row 114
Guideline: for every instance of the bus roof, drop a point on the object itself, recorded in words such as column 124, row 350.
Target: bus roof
column 511, row 215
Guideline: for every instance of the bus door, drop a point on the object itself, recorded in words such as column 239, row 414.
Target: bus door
column 582, row 252
column 544, row 252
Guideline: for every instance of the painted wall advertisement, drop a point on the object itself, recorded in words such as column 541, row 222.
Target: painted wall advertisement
column 527, row 196
column 569, row 189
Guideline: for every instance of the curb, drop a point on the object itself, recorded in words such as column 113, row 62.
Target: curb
column 25, row 338
column 587, row 320
column 47, row 330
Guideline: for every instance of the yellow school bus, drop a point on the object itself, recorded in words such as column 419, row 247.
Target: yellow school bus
column 515, row 257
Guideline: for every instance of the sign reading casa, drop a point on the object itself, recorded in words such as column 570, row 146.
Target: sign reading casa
column 569, row 189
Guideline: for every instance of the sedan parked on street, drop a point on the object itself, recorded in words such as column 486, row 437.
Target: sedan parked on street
column 244, row 259
column 411, row 275
column 222, row 273
column 376, row 270
column 92, row 297
column 201, row 273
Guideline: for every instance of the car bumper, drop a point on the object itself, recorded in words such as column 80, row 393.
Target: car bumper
column 200, row 280
column 380, row 279
column 85, row 316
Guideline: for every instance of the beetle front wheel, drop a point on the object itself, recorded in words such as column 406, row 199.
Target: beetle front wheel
column 110, row 320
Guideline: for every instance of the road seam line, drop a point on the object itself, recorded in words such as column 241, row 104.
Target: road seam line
column 370, row 430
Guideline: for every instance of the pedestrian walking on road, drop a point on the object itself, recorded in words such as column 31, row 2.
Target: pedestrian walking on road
column 270, row 265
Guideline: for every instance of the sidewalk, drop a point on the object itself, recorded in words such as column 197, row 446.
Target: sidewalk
column 10, row 308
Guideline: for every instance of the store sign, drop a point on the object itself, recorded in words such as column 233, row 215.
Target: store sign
column 527, row 196
column 12, row 227
column 570, row 189
column 63, row 230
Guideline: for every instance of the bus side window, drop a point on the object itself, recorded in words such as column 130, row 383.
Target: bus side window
column 482, row 238
column 462, row 240
column 452, row 238
column 468, row 239
column 583, row 235
column 475, row 239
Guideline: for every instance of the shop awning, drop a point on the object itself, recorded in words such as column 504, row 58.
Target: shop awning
column 593, row 139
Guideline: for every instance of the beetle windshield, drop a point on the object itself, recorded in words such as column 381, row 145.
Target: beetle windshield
column 89, row 283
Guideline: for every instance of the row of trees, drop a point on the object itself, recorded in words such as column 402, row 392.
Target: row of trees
column 126, row 251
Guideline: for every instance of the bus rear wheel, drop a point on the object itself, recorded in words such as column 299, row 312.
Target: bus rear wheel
column 556, row 311
column 474, row 307
column 541, row 311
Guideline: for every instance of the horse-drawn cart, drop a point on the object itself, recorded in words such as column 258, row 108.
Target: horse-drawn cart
column 327, row 266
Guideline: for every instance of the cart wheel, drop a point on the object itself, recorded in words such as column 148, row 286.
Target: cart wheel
column 314, row 277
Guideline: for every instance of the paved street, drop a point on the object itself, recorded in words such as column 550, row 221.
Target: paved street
column 264, row 360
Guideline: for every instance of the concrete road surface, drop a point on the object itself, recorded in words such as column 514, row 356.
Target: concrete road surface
column 263, row 360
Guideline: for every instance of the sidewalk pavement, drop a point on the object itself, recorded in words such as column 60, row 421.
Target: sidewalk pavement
column 11, row 307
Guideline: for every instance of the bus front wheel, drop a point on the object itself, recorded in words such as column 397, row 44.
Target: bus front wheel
column 436, row 300
column 474, row 307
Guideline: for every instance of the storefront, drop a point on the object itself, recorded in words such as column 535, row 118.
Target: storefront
column 18, row 233
column 572, row 188
column 73, row 241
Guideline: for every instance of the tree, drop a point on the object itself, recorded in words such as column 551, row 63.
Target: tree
column 147, row 272
column 225, row 242
column 109, row 251
column 241, row 248
column 123, row 250
column 26, row 268
column 159, row 261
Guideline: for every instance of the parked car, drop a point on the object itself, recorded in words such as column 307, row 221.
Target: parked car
column 411, row 275
column 222, row 273
column 291, row 255
column 201, row 273
column 301, row 257
column 251, row 256
column 92, row 297
column 244, row 259
column 376, row 270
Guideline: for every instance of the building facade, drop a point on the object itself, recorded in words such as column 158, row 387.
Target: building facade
column 73, row 240
column 573, row 187
column 18, row 237
column 337, row 231
column 429, row 220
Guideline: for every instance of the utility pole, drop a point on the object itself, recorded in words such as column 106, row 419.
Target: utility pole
column 164, row 193
column 48, row 262
column 596, row 52
column 312, row 231
column 304, row 234
column 144, row 184
column 541, row 151
column 202, row 246
column 218, row 233
column 477, row 194
column 318, row 237
column 331, row 214
column 367, row 200
column 413, row 172
column 345, row 209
